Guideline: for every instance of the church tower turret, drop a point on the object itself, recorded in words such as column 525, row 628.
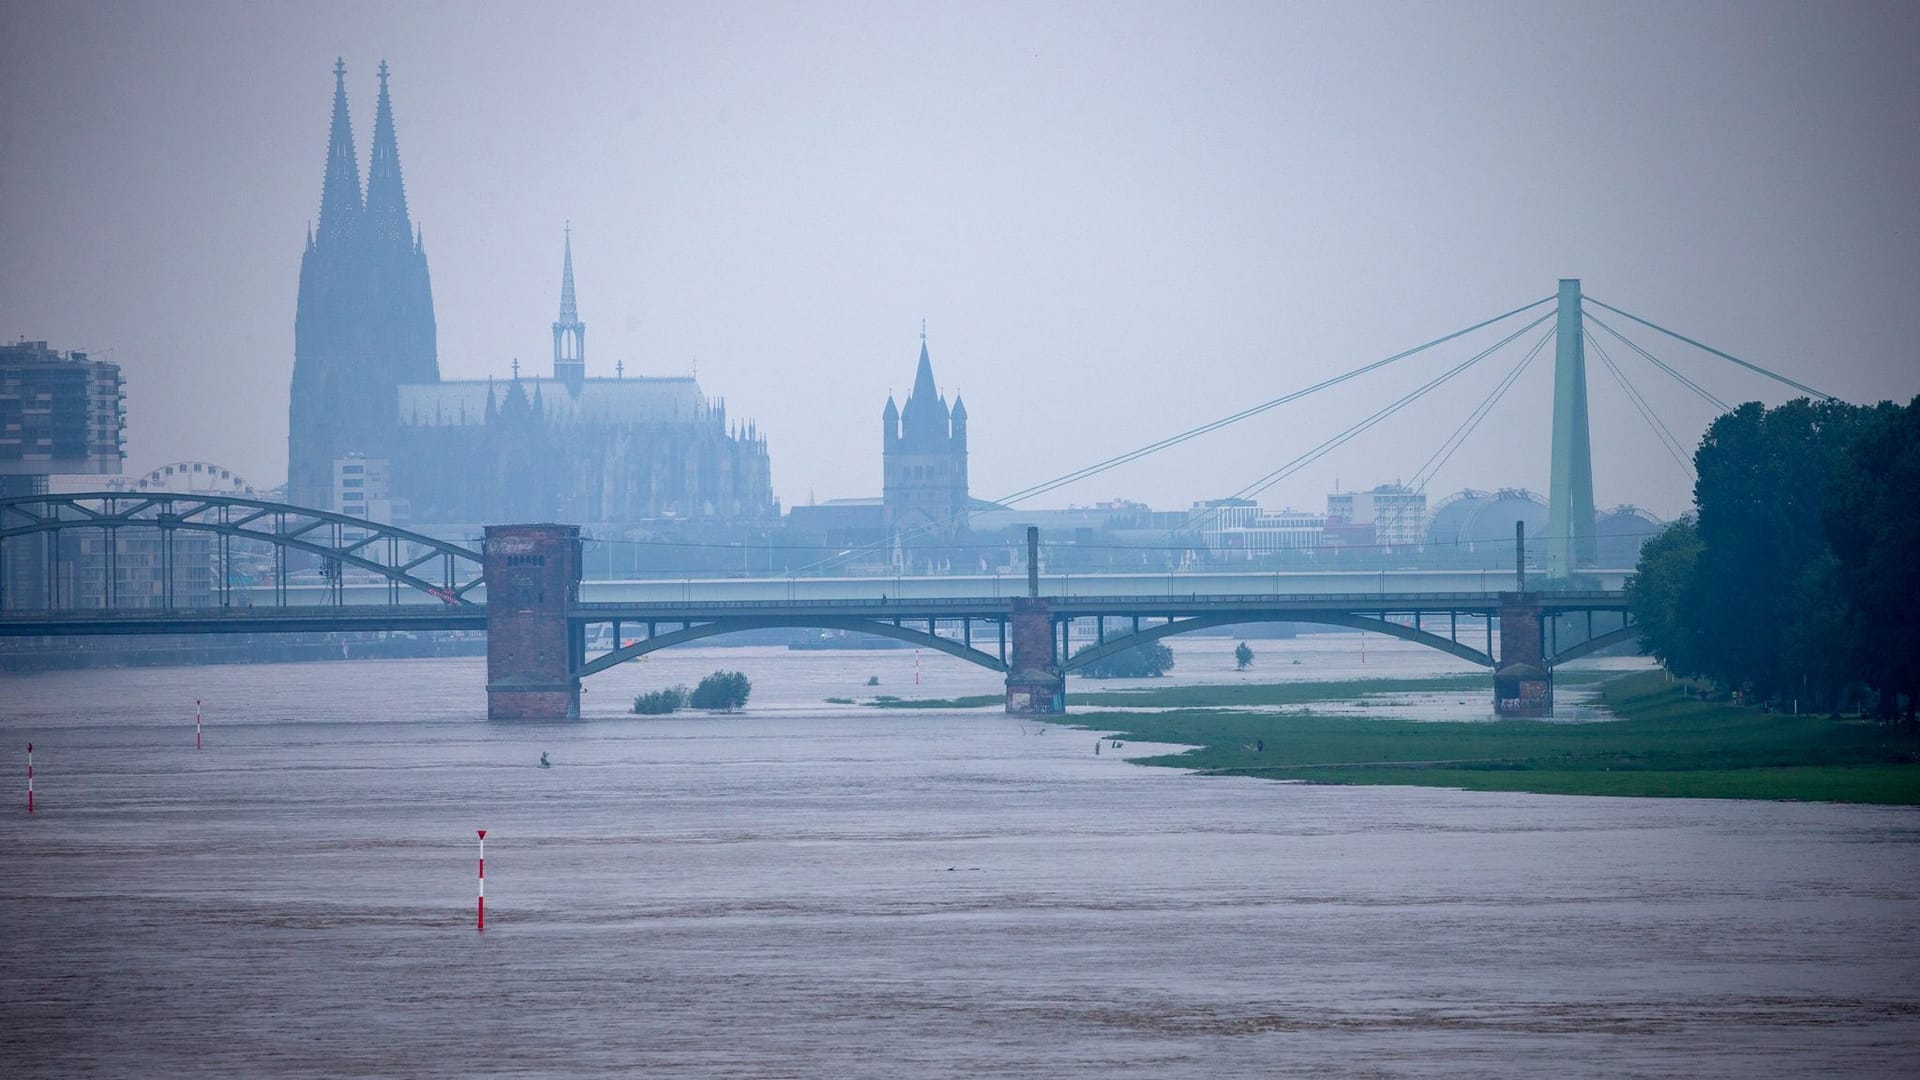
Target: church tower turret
column 924, row 485
column 569, row 333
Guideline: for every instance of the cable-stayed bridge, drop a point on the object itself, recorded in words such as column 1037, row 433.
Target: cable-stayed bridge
column 112, row 563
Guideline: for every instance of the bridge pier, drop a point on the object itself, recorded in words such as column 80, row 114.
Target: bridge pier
column 1522, row 684
column 1036, row 686
column 533, row 656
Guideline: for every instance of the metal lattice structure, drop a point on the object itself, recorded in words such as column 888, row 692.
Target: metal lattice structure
column 401, row 559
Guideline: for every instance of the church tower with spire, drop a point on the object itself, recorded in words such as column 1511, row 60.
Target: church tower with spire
column 569, row 333
column 924, row 456
column 363, row 323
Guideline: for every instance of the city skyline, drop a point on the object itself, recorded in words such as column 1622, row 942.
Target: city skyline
column 1115, row 230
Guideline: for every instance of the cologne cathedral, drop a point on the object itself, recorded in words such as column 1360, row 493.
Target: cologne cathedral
column 562, row 446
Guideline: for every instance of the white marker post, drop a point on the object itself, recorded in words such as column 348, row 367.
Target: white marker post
column 29, row 778
column 480, row 911
column 196, row 723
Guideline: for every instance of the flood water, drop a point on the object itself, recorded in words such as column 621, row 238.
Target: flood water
column 817, row 890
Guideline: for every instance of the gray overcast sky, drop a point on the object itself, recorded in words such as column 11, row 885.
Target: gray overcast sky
column 1118, row 220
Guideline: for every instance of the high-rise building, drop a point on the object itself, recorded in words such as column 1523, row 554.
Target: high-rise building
column 59, row 413
column 924, row 459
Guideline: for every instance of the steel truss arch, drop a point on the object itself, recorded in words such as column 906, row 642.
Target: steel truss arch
column 299, row 528
column 718, row 627
column 1323, row 618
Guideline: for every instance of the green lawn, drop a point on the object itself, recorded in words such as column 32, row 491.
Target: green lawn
column 1665, row 745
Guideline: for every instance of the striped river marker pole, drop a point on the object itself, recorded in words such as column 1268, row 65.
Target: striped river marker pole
column 29, row 778
column 196, row 723
column 480, row 912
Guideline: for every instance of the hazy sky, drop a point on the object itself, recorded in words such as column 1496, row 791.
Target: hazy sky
column 1117, row 220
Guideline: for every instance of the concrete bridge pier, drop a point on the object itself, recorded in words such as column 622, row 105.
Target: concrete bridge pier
column 533, row 576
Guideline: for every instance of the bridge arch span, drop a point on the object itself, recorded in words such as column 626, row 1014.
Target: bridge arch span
column 720, row 627
column 1326, row 618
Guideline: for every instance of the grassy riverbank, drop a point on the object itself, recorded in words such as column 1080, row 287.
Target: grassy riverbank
column 1663, row 745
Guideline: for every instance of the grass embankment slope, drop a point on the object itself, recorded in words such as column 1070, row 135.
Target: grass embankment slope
column 1664, row 744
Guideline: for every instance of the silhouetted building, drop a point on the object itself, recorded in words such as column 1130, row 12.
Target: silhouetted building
column 364, row 324
column 59, row 413
column 924, row 455
column 367, row 390
column 572, row 448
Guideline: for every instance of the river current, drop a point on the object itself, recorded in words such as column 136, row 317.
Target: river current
column 815, row 890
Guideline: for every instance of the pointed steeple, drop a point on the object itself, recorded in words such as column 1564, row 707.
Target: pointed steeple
column 569, row 309
column 340, row 206
column 386, row 192
column 923, row 388
column 569, row 333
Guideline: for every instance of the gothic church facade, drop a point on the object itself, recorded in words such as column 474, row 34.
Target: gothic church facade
column 564, row 446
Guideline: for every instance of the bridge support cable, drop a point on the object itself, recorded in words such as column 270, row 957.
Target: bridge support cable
column 1704, row 394
column 1344, row 437
column 1660, row 429
column 1444, row 453
column 1729, row 357
column 1155, row 447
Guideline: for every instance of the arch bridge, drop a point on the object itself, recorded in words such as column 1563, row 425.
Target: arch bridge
column 150, row 563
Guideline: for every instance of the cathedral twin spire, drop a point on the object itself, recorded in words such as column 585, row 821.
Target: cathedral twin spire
column 382, row 214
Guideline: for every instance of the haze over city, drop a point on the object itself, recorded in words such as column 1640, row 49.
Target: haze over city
column 1117, row 222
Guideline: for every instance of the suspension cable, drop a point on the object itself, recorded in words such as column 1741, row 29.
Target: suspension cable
column 1803, row 387
column 1174, row 440
column 1445, row 451
column 1665, row 434
column 1341, row 439
column 1705, row 394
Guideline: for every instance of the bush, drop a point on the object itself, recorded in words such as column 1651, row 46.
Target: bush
column 722, row 690
column 1152, row 659
column 660, row 702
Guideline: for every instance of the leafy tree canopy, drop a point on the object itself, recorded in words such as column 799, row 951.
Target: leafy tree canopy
column 1151, row 659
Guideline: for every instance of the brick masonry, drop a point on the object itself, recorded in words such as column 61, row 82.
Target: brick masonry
column 533, row 574
column 1035, row 684
column 1522, row 685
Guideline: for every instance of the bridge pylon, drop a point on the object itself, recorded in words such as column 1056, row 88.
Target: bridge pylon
column 533, row 653
column 1570, row 537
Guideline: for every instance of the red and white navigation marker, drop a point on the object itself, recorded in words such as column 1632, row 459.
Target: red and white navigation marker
column 196, row 723
column 29, row 778
column 480, row 911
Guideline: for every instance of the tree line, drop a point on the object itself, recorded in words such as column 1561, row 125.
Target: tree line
column 1797, row 577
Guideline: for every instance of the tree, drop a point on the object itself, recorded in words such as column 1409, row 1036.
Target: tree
column 1761, row 493
column 1873, row 522
column 660, row 702
column 722, row 690
column 1242, row 657
column 1150, row 660
column 1660, row 595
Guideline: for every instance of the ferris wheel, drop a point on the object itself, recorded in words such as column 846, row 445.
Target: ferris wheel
column 190, row 478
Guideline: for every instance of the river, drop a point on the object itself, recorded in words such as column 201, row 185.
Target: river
column 813, row 890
